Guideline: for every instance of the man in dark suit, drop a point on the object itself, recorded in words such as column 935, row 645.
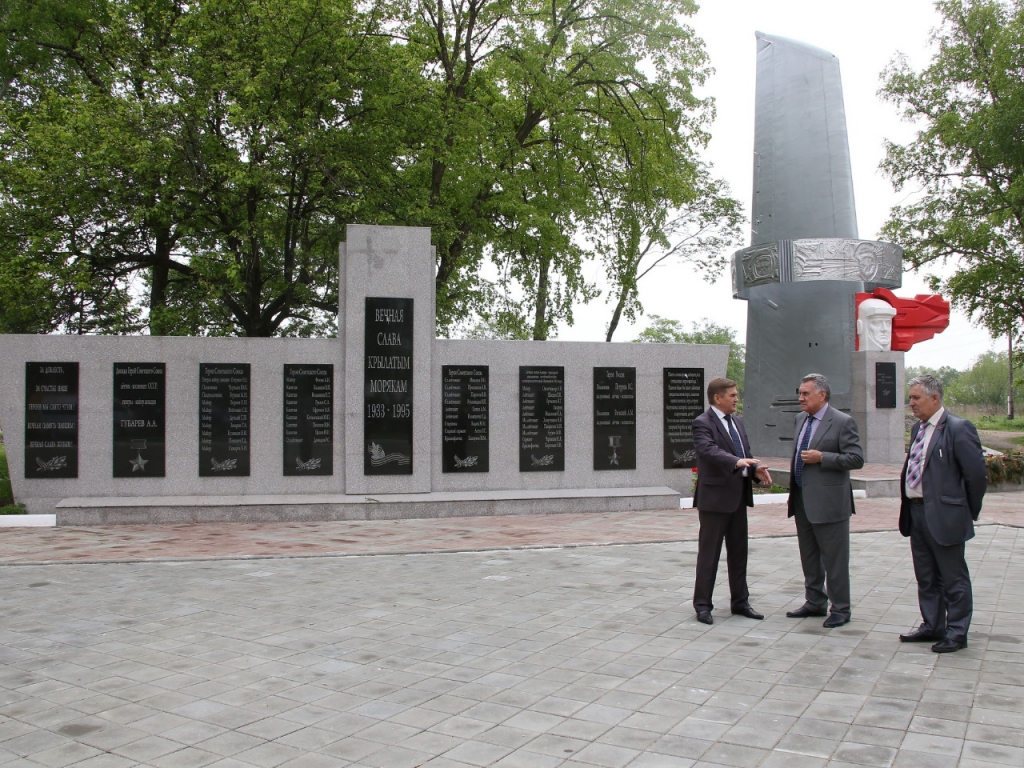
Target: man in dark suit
column 827, row 447
column 944, row 480
column 725, row 471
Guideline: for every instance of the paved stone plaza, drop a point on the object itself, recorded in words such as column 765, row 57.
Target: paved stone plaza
column 536, row 657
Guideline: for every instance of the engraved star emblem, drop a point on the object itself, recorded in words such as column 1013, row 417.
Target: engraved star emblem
column 138, row 463
column 613, row 458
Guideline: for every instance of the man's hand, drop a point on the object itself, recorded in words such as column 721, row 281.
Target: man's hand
column 741, row 463
column 763, row 476
column 811, row 457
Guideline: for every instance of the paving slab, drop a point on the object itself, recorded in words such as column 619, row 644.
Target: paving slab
column 564, row 640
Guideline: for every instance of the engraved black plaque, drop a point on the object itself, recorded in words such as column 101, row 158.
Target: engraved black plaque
column 308, row 420
column 541, row 418
column 885, row 385
column 139, row 419
column 465, row 445
column 615, row 418
column 51, row 420
column 387, row 387
column 684, row 401
column 223, row 419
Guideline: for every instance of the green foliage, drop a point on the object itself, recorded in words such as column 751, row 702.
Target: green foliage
column 984, row 385
column 13, row 509
column 6, row 493
column 946, row 374
column 1007, row 468
column 190, row 166
column 663, row 330
column 967, row 159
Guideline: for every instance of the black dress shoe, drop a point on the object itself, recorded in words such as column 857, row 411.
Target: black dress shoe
column 835, row 620
column 920, row 635
column 748, row 611
column 704, row 617
column 948, row 646
column 804, row 611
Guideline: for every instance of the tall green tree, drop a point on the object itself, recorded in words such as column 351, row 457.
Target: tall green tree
column 967, row 160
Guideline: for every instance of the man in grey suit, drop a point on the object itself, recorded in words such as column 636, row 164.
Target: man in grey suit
column 944, row 480
column 827, row 447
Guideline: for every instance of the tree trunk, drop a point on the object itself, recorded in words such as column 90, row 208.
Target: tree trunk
column 616, row 316
column 540, row 324
column 158, row 322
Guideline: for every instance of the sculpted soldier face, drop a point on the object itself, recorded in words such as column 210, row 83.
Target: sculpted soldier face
column 874, row 325
column 728, row 401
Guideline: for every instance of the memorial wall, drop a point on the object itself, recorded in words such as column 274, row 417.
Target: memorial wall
column 384, row 412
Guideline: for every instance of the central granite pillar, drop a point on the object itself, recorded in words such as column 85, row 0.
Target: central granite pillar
column 386, row 318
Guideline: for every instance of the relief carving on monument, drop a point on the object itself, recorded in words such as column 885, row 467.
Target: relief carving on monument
column 842, row 259
column 761, row 265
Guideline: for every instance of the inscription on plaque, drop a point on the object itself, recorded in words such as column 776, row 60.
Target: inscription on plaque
column 885, row 385
column 465, row 444
column 51, row 420
column 615, row 418
column 139, row 419
column 541, row 418
column 224, row 419
column 683, row 402
column 308, row 420
column 387, row 387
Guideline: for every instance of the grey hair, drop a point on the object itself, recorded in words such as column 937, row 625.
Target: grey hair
column 820, row 383
column 932, row 385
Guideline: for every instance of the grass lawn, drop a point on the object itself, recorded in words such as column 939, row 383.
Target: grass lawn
column 1000, row 423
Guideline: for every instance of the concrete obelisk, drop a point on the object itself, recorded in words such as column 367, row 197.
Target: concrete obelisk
column 805, row 263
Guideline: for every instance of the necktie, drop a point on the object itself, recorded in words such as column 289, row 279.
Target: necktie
column 735, row 437
column 915, row 466
column 798, row 462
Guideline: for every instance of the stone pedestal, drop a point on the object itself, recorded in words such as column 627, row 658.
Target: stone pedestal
column 881, row 428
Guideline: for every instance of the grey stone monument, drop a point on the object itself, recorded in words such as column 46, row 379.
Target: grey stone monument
column 805, row 262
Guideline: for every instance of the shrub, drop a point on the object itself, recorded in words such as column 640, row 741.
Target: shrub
column 1008, row 468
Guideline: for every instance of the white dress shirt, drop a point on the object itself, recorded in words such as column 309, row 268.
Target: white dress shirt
column 725, row 426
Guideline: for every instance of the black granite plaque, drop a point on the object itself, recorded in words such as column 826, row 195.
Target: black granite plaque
column 223, row 419
column 387, row 387
column 51, row 420
column 684, row 401
column 465, row 445
column 308, row 420
column 885, row 385
column 615, row 418
column 541, row 418
column 139, row 419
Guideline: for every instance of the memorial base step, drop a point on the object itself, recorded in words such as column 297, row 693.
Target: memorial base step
column 878, row 481
column 321, row 507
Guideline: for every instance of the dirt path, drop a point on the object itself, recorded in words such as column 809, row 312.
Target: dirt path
column 999, row 440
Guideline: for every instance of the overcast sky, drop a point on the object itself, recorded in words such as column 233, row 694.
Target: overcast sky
column 865, row 36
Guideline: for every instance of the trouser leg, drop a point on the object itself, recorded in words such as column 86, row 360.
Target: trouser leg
column 810, row 555
column 930, row 593
column 709, row 550
column 736, row 557
column 834, row 545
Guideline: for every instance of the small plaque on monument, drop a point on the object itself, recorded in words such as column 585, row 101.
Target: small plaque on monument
column 541, row 418
column 885, row 385
column 614, row 418
column 465, row 442
column 139, row 419
column 387, row 387
column 51, row 420
column 684, row 401
column 224, row 419
column 308, row 420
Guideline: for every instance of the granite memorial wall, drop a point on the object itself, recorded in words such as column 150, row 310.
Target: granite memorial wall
column 384, row 408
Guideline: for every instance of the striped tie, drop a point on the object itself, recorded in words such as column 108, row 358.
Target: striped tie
column 736, row 444
column 915, row 466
